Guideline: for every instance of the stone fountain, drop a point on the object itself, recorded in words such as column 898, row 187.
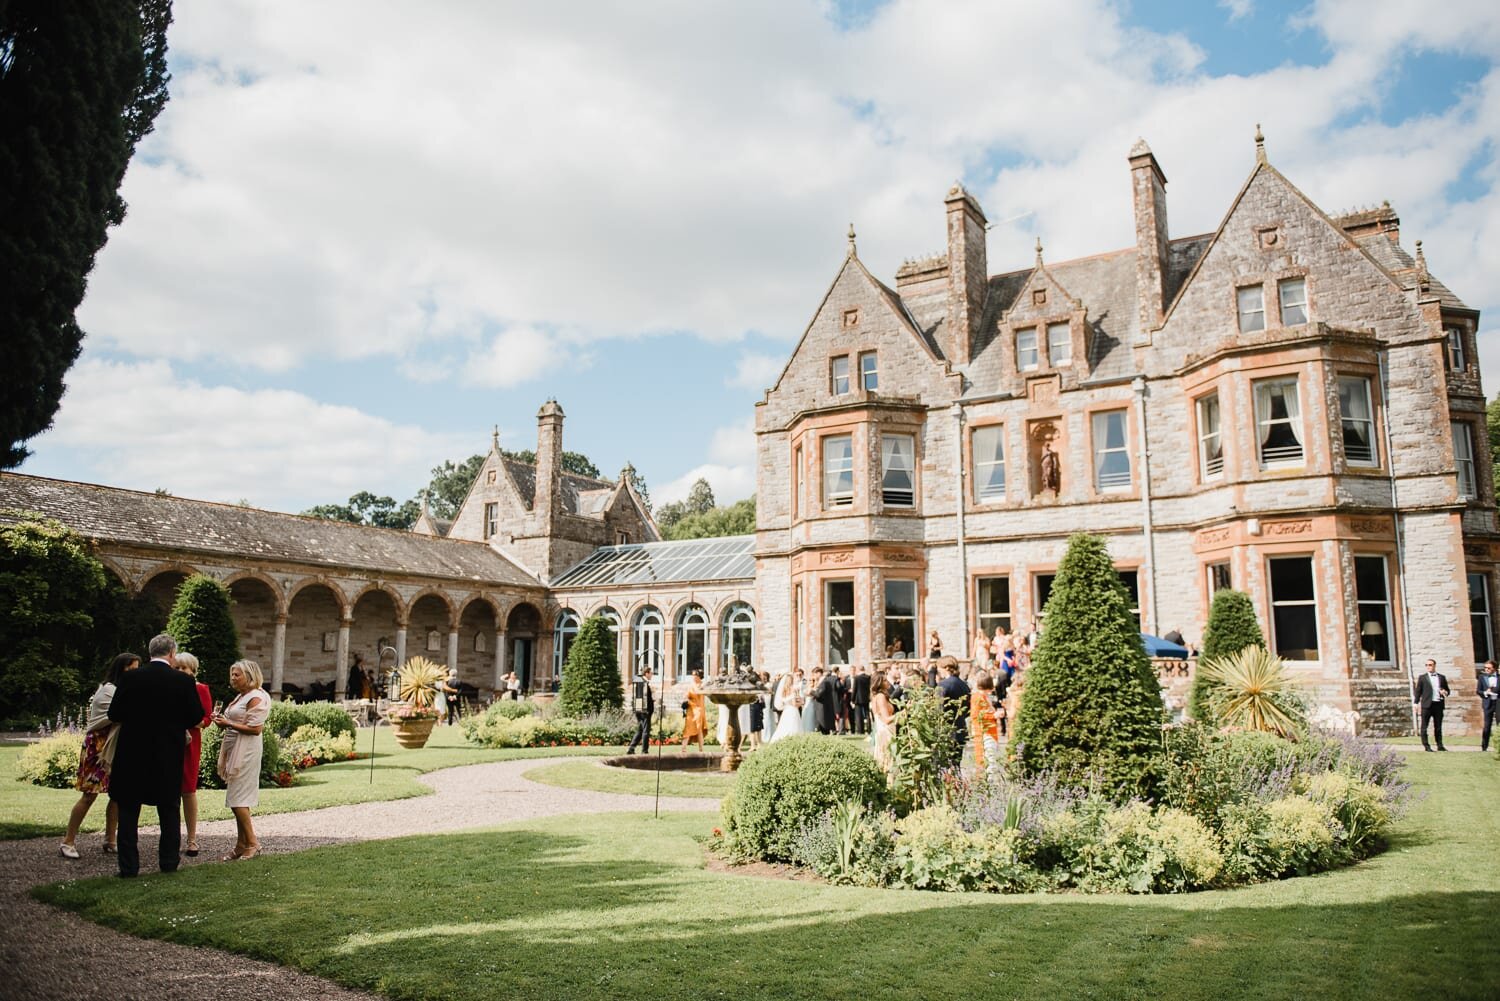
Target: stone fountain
column 737, row 687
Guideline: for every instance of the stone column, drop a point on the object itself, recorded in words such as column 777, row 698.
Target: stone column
column 341, row 668
column 453, row 648
column 278, row 656
column 669, row 652
column 714, row 658
column 499, row 685
column 400, row 645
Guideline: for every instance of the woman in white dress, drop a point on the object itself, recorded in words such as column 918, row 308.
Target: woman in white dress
column 239, row 756
column 788, row 705
column 883, row 712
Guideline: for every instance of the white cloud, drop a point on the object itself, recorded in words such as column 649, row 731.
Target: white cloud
column 730, row 471
column 516, row 356
column 756, row 371
column 1238, row 9
column 138, row 425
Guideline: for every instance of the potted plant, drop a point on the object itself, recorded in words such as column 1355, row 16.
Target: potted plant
column 413, row 718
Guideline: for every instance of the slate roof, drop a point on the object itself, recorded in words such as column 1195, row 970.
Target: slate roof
column 129, row 517
column 578, row 492
column 1394, row 258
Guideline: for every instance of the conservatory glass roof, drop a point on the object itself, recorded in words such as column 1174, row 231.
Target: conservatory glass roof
column 664, row 562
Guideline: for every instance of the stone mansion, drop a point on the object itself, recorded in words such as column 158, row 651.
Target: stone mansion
column 1289, row 405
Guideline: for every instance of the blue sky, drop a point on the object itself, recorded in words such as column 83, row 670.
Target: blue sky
column 366, row 232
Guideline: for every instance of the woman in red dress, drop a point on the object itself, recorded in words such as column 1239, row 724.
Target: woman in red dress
column 188, row 664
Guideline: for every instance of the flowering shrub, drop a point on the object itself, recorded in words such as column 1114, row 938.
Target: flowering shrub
column 405, row 711
column 286, row 717
column 276, row 767
column 52, row 761
column 312, row 745
column 499, row 726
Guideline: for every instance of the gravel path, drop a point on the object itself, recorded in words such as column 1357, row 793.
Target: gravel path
column 52, row 954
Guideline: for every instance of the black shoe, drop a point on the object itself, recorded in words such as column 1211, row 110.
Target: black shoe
column 1442, row 748
column 1426, row 748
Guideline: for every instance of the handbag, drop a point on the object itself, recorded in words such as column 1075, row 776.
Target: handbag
column 107, row 751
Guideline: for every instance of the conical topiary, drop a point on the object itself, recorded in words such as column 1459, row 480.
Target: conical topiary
column 201, row 624
column 1091, row 710
column 591, row 677
column 1231, row 627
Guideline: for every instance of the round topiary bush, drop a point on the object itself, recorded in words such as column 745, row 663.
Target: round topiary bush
column 329, row 717
column 791, row 783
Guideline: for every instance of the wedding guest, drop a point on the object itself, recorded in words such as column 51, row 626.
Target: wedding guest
column 694, row 715
column 934, row 646
column 192, row 758
column 94, row 763
column 883, row 711
column 1488, row 691
column 982, row 648
column 240, row 754
column 788, row 704
column 452, row 694
column 982, row 719
column 758, row 717
column 955, row 700
column 809, row 706
column 155, row 705
column 859, row 700
column 513, row 687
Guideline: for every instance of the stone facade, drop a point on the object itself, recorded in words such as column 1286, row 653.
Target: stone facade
column 1283, row 406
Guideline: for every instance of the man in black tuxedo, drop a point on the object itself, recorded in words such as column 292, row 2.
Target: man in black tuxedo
column 955, row 699
column 860, row 701
column 1488, row 691
column 644, row 705
column 1429, row 693
column 155, row 706
column 842, row 679
column 825, row 696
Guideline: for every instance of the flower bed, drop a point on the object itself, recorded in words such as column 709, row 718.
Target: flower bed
column 501, row 726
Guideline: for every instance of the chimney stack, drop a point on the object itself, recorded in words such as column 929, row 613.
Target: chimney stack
column 549, row 449
column 968, row 273
column 1149, row 187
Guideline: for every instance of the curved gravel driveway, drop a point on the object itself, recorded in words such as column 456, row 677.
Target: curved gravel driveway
column 49, row 954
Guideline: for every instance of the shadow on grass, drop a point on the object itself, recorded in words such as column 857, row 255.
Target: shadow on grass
column 617, row 911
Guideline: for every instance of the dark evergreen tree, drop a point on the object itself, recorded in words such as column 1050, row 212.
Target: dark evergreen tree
column 48, row 583
column 1091, row 708
column 591, row 677
column 81, row 84
column 1232, row 626
column 201, row 624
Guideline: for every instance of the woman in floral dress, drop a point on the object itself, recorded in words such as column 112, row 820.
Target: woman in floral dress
column 93, row 763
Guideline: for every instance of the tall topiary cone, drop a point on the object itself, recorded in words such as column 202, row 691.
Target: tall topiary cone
column 591, row 677
column 1231, row 627
column 1091, row 706
column 201, row 624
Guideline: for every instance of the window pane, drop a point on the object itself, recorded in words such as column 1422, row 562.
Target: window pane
column 1043, row 591
column 1358, row 421
column 1455, row 359
column 838, row 470
column 1218, row 578
column 1294, row 608
column 1252, row 305
column 1374, row 607
column 989, row 463
column 994, row 604
column 1479, row 616
column 1026, row 350
column 840, row 620
column 1293, row 301
column 839, row 375
column 869, row 378
column 1059, row 343
column 1131, row 580
column 1111, row 458
column 1279, row 418
column 1210, row 440
column 1463, row 457
column 897, row 466
column 901, row 614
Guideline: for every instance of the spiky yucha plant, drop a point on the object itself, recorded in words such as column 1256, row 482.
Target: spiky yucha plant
column 419, row 679
column 1251, row 690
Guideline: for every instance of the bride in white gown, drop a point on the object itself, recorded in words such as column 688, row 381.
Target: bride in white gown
column 790, row 721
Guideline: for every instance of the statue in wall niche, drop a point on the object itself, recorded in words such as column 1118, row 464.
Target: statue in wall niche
column 1051, row 469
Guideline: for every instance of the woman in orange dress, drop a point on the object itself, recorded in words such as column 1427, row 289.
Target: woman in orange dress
column 982, row 720
column 695, row 717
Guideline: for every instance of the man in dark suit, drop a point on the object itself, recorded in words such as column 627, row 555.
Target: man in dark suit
column 860, row 701
column 955, row 699
column 1488, row 691
column 644, row 705
column 825, row 696
column 155, row 706
column 843, row 680
column 1429, row 693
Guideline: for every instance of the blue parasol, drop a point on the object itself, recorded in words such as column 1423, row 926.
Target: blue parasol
column 1158, row 647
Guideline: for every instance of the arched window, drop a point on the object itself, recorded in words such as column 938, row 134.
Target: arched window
column 646, row 640
column 739, row 635
column 692, row 641
column 563, row 635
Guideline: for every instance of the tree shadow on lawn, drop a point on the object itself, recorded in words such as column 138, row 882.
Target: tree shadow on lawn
column 529, row 914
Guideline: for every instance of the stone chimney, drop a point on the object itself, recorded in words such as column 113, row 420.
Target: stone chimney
column 968, row 273
column 1149, row 187
column 549, row 449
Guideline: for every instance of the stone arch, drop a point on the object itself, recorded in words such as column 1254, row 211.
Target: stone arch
column 123, row 575
column 158, row 588
column 440, row 595
column 265, row 578
column 387, row 590
column 429, row 618
column 255, row 606
column 497, row 608
column 478, row 623
column 527, row 644
column 692, row 627
column 375, row 615
column 315, row 610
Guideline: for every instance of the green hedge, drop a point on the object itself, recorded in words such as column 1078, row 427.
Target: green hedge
column 786, row 786
column 286, row 717
column 276, row 769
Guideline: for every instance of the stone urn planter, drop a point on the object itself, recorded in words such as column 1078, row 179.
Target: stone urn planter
column 412, row 733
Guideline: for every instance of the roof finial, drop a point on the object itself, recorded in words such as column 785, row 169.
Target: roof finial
column 495, row 438
column 1260, row 144
column 1038, row 251
column 1424, row 277
column 852, row 251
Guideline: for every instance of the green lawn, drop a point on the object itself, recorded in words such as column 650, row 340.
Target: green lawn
column 28, row 811
column 593, row 775
column 620, row 906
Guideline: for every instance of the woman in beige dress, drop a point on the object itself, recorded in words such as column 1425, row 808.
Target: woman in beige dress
column 883, row 712
column 239, row 756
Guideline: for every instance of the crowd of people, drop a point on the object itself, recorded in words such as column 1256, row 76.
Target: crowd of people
column 142, row 746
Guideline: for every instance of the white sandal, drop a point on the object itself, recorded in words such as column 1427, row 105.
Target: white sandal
column 68, row 851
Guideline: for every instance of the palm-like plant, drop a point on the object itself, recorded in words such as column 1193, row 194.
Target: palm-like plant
column 1253, row 691
column 419, row 679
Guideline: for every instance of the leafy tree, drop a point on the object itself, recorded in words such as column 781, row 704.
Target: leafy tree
column 591, row 677
column 736, row 519
column 81, row 83
column 364, row 508
column 450, row 485
column 48, row 582
column 1492, row 419
column 639, row 483
column 201, row 624
column 1231, row 628
column 572, row 462
column 1091, row 707
column 700, row 499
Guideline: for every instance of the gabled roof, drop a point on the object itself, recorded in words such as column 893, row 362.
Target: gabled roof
column 1394, row 258
column 573, row 487
column 130, row 517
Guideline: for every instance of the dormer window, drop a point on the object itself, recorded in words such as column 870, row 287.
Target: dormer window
column 838, row 375
column 1027, row 358
column 1252, row 306
column 869, row 373
column 1293, row 294
column 1059, row 344
column 491, row 520
column 1456, row 359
